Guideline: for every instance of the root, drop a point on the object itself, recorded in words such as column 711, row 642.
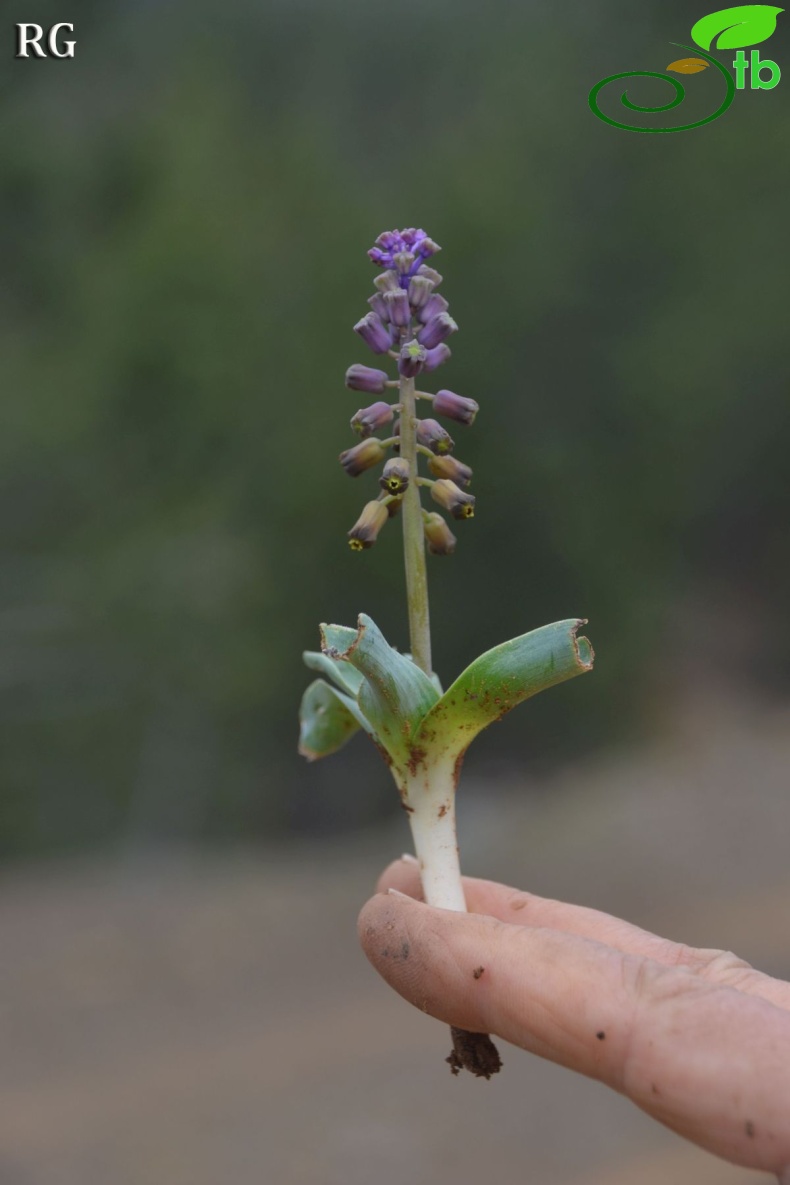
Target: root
column 474, row 1052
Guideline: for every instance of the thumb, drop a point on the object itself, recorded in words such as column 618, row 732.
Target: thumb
column 434, row 958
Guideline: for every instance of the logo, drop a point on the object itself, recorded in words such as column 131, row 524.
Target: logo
column 29, row 38
column 732, row 28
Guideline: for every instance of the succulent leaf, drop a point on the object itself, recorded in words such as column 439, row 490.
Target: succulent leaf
column 395, row 693
column 327, row 719
column 346, row 677
column 497, row 681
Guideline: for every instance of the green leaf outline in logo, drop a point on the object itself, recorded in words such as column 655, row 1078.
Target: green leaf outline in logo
column 747, row 24
column 680, row 95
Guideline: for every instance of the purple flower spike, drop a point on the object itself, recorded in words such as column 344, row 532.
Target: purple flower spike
column 369, row 419
column 437, row 329
column 455, row 407
column 401, row 243
column 365, row 378
column 412, row 357
column 374, row 333
column 436, row 356
column 398, row 309
column 434, row 305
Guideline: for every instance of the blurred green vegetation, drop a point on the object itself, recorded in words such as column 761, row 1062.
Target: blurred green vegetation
column 184, row 214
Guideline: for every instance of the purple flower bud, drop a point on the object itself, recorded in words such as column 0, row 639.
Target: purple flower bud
column 398, row 310
column 438, row 536
column 379, row 306
column 365, row 530
column 374, row 333
column 448, row 495
column 362, row 456
column 432, row 435
column 369, row 419
column 430, row 274
column 388, row 281
column 403, row 261
column 395, row 478
column 434, row 305
column 393, row 506
column 437, row 329
column 420, row 288
column 455, row 407
column 427, row 247
column 365, row 378
column 412, row 356
column 390, row 240
column 453, row 470
column 436, row 356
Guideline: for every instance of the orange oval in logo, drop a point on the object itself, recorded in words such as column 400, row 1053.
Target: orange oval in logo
column 688, row 65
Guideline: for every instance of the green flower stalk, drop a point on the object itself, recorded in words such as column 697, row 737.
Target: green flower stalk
column 366, row 684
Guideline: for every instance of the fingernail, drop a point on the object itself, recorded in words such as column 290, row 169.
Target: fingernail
column 409, row 859
column 397, row 893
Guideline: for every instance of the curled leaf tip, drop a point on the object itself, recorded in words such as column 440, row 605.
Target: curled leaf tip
column 340, row 641
column 585, row 655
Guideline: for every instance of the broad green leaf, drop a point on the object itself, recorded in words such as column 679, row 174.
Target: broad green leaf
column 747, row 24
column 395, row 693
column 497, row 681
column 346, row 677
column 327, row 719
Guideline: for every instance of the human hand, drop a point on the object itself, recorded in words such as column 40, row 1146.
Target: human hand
column 697, row 1038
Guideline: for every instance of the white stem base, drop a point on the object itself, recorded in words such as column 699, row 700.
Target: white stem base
column 432, row 818
column 430, row 800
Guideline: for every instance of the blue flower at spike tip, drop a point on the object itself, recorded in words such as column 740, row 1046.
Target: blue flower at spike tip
column 409, row 241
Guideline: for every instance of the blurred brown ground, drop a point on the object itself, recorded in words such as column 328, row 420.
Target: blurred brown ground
column 195, row 1019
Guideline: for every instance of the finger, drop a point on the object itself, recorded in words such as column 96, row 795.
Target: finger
column 526, row 909
column 709, row 1062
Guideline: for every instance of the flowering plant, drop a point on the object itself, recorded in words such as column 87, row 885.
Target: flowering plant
column 421, row 731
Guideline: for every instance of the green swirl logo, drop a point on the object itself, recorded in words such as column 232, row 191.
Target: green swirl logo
column 732, row 28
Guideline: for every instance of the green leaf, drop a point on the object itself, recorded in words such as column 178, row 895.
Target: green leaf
column 395, row 694
column 346, row 677
column 327, row 719
column 747, row 24
column 434, row 677
column 497, row 681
